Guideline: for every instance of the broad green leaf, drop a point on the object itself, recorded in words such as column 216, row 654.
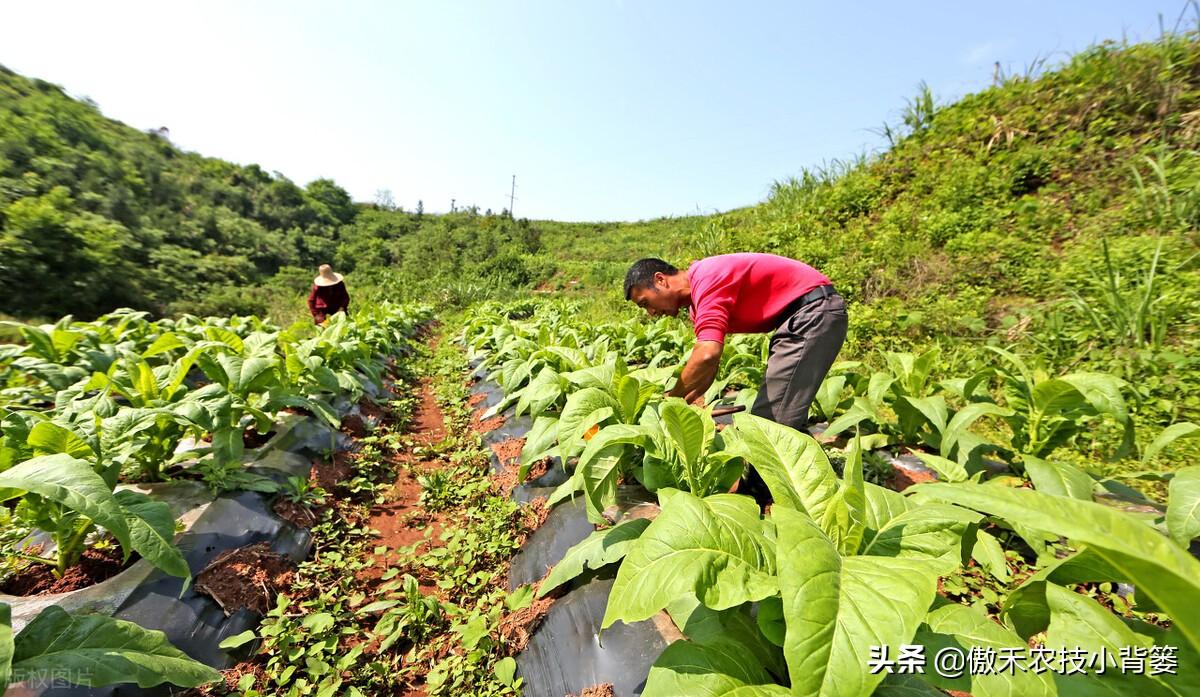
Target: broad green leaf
column 600, row 465
column 836, row 608
column 882, row 505
column 72, row 483
column 1059, row 479
column 238, row 640
column 718, row 669
column 49, row 438
column 930, row 531
column 1026, row 608
column 966, row 628
column 567, row 489
column 539, row 442
column 583, row 409
column 152, row 532
column 702, row 625
column 990, row 555
column 897, row 685
column 794, row 467
column 957, row 440
column 685, row 427
column 100, row 650
column 1183, row 506
column 6, row 645
column 163, row 344
column 1165, row 572
column 1079, row 622
column 932, row 408
column 1169, row 435
column 854, row 494
column 713, row 548
column 947, row 470
column 599, row 549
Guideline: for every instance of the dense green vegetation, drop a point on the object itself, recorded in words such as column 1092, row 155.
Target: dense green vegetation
column 1022, row 271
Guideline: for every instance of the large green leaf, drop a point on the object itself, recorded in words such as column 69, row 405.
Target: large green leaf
column 931, row 531
column 1169, row 435
column 703, row 625
column 152, row 532
column 882, row 505
column 1183, row 506
column 794, row 467
column 599, row 549
column 73, row 484
column 600, row 465
column 49, row 438
column 539, row 442
column 717, row 669
column 836, row 607
column 6, row 645
column 1165, row 572
column 96, row 650
column 1059, row 478
column 962, row 628
column 713, row 548
column 1079, row 622
column 583, row 409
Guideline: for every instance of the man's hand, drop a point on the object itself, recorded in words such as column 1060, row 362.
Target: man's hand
column 699, row 373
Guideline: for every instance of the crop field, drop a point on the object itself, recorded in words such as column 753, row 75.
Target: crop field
column 474, row 483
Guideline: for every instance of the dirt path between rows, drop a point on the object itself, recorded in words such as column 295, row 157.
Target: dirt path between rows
column 402, row 521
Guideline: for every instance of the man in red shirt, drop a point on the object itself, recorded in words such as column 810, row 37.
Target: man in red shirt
column 750, row 293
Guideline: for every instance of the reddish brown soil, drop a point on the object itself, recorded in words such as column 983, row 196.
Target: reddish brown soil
column 509, row 451
column 402, row 522
column 517, row 627
column 294, row 513
column 355, row 425
column 427, row 424
column 246, row 577
column 902, row 479
column 330, row 475
column 535, row 515
column 485, row 425
column 475, row 399
column 93, row 567
column 603, row 690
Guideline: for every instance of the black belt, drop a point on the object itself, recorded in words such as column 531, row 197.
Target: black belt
column 818, row 293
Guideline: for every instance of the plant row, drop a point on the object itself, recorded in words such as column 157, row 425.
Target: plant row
column 91, row 407
column 792, row 601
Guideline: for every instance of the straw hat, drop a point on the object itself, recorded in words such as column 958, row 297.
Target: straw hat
column 327, row 277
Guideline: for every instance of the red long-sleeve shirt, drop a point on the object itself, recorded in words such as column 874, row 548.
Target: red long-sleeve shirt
column 326, row 300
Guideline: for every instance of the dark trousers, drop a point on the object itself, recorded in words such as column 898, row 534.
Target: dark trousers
column 803, row 348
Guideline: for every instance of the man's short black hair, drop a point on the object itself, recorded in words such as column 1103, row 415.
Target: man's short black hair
column 641, row 274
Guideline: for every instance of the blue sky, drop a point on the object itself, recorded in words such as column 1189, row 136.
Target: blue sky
column 615, row 110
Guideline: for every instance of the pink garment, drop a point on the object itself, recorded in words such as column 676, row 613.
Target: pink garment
column 745, row 293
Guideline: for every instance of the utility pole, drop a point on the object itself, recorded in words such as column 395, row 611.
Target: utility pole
column 512, row 196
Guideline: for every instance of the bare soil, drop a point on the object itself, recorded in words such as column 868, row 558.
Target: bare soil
column 401, row 521
column 294, row 513
column 330, row 474
column 95, row 566
column 247, row 577
column 603, row 690
column 517, row 627
column 901, row 478
column 482, row 426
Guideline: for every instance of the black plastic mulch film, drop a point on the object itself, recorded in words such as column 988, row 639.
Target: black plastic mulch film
column 567, row 652
column 193, row 621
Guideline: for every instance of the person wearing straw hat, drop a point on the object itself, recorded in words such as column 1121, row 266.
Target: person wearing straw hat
column 328, row 294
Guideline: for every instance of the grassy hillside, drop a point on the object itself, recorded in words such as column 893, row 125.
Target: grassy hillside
column 1054, row 214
